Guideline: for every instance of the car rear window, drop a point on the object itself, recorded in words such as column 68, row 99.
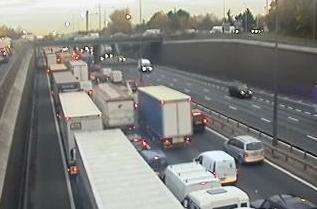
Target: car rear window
column 254, row 146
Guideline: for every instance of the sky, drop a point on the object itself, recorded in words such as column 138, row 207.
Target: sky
column 44, row 16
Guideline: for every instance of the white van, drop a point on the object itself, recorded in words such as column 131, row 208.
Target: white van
column 184, row 178
column 219, row 163
column 228, row 197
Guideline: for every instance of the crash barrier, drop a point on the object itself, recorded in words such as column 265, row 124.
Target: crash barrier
column 14, row 126
column 285, row 152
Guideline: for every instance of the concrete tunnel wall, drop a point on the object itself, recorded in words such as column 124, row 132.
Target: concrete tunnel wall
column 297, row 71
column 11, row 189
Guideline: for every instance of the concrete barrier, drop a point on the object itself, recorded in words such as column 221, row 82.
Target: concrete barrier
column 13, row 132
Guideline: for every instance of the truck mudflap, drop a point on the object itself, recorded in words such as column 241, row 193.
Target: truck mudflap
column 176, row 141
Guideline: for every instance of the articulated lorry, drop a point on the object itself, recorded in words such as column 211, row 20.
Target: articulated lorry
column 79, row 68
column 116, row 105
column 76, row 113
column 112, row 175
column 166, row 114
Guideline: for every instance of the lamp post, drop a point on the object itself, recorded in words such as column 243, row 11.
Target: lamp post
column 275, row 98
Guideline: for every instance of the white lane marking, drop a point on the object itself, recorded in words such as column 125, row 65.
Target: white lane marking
column 227, row 97
column 293, row 119
column 282, row 105
column 298, row 110
column 68, row 185
column 270, row 163
column 256, row 106
column 308, row 113
column 291, row 108
column 187, row 90
column 232, row 107
column 206, row 90
column 265, row 120
column 291, row 175
column 267, row 101
column 207, row 98
column 312, row 137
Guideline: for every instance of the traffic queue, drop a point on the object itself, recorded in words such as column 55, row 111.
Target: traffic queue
column 108, row 129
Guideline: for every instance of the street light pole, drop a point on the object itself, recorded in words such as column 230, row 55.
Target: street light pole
column 275, row 71
column 314, row 19
column 140, row 46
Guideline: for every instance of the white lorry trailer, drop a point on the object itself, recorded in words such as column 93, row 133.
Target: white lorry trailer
column 112, row 175
column 166, row 114
column 76, row 112
column 79, row 68
column 116, row 105
column 184, row 178
column 116, row 76
column 64, row 82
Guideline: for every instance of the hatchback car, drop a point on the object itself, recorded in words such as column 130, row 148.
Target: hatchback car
column 157, row 161
column 283, row 201
column 240, row 90
column 145, row 66
column 245, row 149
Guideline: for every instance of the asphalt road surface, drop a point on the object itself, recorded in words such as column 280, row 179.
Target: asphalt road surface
column 48, row 188
column 295, row 124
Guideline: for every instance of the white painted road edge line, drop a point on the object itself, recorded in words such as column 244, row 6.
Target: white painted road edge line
column 265, row 120
column 293, row 119
column 69, row 189
column 312, row 137
column 308, row 113
column 187, row 90
column 207, row 98
column 232, row 107
column 271, row 164
column 256, row 106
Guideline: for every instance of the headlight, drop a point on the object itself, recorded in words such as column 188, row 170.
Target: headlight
column 150, row 68
column 242, row 92
column 250, row 92
column 106, row 55
column 143, row 69
column 124, row 59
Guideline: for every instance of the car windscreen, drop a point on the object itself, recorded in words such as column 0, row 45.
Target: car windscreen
column 254, row 146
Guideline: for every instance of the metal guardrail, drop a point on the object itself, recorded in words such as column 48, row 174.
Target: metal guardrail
column 7, row 80
column 234, row 127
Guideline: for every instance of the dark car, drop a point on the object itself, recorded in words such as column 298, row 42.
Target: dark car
column 157, row 161
column 240, row 90
column 283, row 201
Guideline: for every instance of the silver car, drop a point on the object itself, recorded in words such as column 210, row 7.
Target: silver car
column 245, row 149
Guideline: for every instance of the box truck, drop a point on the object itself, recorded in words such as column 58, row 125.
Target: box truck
column 116, row 105
column 64, row 82
column 79, row 68
column 116, row 76
column 166, row 114
column 112, row 175
column 184, row 178
column 53, row 68
column 77, row 112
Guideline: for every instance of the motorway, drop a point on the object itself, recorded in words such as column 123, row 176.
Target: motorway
column 296, row 122
column 49, row 185
column 48, row 188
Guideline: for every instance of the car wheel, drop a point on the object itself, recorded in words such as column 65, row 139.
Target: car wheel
column 185, row 203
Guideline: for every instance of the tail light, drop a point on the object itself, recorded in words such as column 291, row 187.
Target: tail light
column 167, row 142
column 205, row 121
column 73, row 170
column 135, row 105
column 188, row 139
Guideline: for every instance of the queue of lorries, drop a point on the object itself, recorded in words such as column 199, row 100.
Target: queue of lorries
column 116, row 168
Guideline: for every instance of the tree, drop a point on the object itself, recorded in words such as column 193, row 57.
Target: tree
column 178, row 20
column 6, row 31
column 159, row 20
column 247, row 20
column 294, row 17
column 119, row 22
column 229, row 17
